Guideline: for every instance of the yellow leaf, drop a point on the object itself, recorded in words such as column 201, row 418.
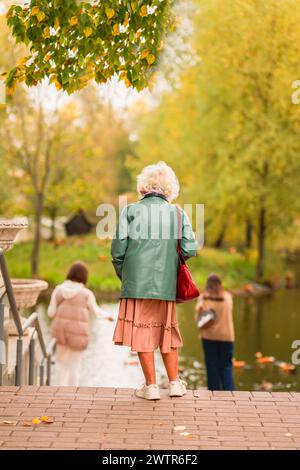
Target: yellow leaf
column 150, row 59
column 21, row 62
column 36, row 421
column 116, row 30
column 47, row 57
column 41, row 16
column 10, row 91
column 73, row 21
column 34, row 11
column 127, row 82
column 126, row 20
column 144, row 54
column 110, row 13
column 58, row 85
column 46, row 32
column 47, row 419
column 56, row 23
column 144, row 10
column 88, row 32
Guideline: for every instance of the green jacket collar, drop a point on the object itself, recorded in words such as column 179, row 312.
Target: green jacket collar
column 155, row 194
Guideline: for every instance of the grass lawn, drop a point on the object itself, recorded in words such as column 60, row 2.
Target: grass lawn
column 55, row 260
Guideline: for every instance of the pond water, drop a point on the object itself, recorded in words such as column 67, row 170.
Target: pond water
column 267, row 324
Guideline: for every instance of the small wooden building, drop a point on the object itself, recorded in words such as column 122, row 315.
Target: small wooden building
column 78, row 225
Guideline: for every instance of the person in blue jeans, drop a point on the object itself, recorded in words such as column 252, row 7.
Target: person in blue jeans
column 217, row 336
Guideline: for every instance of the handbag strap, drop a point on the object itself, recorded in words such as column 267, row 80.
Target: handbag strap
column 180, row 255
column 178, row 230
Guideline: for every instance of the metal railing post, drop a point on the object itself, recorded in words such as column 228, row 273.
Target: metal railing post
column 48, row 370
column 2, row 346
column 18, row 370
column 42, row 368
column 31, row 362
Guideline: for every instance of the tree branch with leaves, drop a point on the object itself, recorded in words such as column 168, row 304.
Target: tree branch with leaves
column 73, row 42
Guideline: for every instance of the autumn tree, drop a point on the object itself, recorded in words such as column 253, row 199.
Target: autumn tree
column 230, row 129
column 247, row 96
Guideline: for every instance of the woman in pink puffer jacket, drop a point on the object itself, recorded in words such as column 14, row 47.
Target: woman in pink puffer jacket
column 70, row 307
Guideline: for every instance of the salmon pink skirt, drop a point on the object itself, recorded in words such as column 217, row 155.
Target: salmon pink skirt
column 146, row 324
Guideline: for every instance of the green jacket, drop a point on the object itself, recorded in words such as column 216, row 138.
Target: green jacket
column 144, row 249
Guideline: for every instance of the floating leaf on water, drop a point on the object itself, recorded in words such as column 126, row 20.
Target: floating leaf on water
column 184, row 433
column 12, row 423
column 179, row 428
column 286, row 367
column 26, row 423
column 238, row 364
column 288, row 434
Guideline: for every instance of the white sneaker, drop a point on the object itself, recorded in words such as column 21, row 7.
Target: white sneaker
column 149, row 392
column 177, row 388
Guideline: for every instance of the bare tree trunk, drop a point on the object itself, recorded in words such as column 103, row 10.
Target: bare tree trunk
column 53, row 213
column 260, row 267
column 220, row 239
column 248, row 234
column 37, row 233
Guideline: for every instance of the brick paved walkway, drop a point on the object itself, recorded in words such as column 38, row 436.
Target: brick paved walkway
column 107, row 418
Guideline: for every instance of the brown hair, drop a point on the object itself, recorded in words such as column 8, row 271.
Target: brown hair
column 214, row 288
column 78, row 272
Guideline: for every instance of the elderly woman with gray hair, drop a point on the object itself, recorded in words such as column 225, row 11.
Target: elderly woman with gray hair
column 144, row 255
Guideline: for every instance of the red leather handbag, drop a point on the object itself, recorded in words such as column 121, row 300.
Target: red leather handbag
column 186, row 287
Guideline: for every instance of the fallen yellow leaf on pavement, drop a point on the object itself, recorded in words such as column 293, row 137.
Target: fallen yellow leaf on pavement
column 47, row 419
column 36, row 421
